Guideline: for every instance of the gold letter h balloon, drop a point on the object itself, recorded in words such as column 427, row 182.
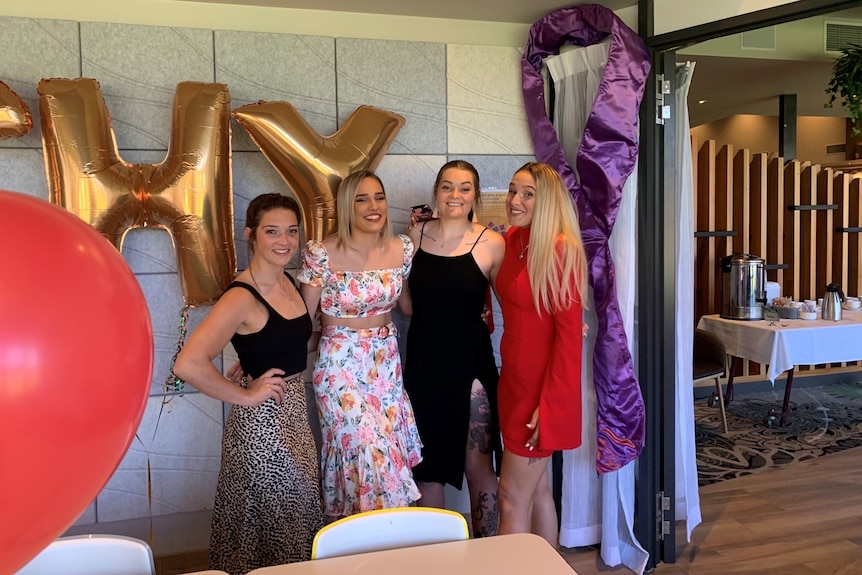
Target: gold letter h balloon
column 188, row 194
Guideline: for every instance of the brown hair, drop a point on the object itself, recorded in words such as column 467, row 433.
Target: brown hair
column 263, row 204
column 468, row 167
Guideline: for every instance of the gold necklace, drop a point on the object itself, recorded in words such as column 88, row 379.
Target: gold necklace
column 523, row 248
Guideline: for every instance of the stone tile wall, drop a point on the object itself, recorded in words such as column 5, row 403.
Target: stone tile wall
column 459, row 101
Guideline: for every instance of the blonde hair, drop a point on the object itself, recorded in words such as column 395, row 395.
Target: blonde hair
column 344, row 206
column 556, row 262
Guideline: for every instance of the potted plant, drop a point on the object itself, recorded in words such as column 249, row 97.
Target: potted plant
column 846, row 84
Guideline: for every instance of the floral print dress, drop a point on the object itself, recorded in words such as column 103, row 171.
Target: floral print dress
column 370, row 440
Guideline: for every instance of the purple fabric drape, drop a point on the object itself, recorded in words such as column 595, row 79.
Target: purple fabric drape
column 605, row 159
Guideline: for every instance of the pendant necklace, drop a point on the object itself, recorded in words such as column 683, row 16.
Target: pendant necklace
column 523, row 248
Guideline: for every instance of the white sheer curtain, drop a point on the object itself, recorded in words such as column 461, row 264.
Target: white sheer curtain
column 687, row 502
column 597, row 509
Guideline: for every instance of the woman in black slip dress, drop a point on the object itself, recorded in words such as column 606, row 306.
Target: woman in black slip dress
column 267, row 506
column 449, row 372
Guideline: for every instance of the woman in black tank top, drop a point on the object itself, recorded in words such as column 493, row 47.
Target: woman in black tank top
column 449, row 372
column 267, row 506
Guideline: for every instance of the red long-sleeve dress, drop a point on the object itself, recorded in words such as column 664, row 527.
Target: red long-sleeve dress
column 541, row 358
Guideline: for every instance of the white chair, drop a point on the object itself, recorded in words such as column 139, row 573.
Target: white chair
column 388, row 529
column 93, row 555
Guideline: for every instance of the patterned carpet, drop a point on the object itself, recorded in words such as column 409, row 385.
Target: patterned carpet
column 821, row 420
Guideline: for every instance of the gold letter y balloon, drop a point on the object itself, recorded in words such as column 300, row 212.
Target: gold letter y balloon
column 312, row 165
column 188, row 194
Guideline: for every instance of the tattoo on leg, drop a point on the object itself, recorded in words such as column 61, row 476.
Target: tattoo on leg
column 479, row 434
column 486, row 515
column 534, row 460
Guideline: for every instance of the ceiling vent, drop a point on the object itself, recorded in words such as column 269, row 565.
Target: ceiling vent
column 760, row 39
column 840, row 35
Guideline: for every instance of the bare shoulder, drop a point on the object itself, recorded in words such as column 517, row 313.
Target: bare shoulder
column 330, row 243
column 236, row 297
column 493, row 236
column 234, row 307
column 490, row 238
column 397, row 242
column 415, row 233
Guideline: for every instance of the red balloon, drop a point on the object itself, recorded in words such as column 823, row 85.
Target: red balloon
column 76, row 358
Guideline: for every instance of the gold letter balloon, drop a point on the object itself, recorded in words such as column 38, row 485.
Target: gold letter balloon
column 313, row 165
column 188, row 194
column 15, row 118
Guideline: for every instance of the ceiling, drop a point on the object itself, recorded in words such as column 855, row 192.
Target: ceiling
column 513, row 11
column 729, row 85
column 753, row 86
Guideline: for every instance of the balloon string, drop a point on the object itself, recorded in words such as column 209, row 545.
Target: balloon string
column 172, row 382
column 151, row 535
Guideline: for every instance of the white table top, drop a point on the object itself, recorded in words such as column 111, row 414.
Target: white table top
column 789, row 342
column 520, row 554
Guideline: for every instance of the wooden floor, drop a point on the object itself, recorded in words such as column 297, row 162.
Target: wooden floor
column 805, row 519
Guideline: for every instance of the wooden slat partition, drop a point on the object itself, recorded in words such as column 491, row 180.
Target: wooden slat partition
column 841, row 243
column 754, row 229
column 741, row 205
column 792, row 197
column 806, row 256
column 775, row 206
column 723, row 208
column 706, row 262
column 801, row 218
column 824, row 234
column 854, row 250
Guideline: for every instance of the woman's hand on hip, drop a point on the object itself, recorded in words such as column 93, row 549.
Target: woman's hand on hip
column 270, row 385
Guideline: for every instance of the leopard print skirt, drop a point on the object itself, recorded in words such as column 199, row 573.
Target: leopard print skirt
column 267, row 505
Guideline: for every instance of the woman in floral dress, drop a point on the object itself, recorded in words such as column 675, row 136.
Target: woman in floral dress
column 370, row 441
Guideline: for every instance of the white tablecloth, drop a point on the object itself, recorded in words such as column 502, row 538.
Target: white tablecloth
column 789, row 342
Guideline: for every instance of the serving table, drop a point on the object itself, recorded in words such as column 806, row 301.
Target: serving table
column 501, row 555
column 786, row 343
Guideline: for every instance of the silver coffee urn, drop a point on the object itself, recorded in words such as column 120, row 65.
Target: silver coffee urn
column 743, row 287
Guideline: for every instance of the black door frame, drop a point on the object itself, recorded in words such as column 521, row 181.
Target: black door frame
column 656, row 246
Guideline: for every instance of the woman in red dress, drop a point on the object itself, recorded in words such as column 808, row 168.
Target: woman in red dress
column 541, row 286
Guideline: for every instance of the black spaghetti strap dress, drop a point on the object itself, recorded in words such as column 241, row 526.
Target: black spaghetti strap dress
column 448, row 346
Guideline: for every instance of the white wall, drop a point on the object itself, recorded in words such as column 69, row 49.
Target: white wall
column 671, row 15
column 176, row 13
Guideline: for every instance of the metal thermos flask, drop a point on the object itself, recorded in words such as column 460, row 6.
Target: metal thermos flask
column 832, row 300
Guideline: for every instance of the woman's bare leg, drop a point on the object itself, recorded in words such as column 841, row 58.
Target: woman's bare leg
column 479, row 469
column 523, row 504
column 432, row 494
column 544, row 516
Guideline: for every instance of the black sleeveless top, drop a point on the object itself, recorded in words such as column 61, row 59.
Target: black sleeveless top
column 281, row 343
